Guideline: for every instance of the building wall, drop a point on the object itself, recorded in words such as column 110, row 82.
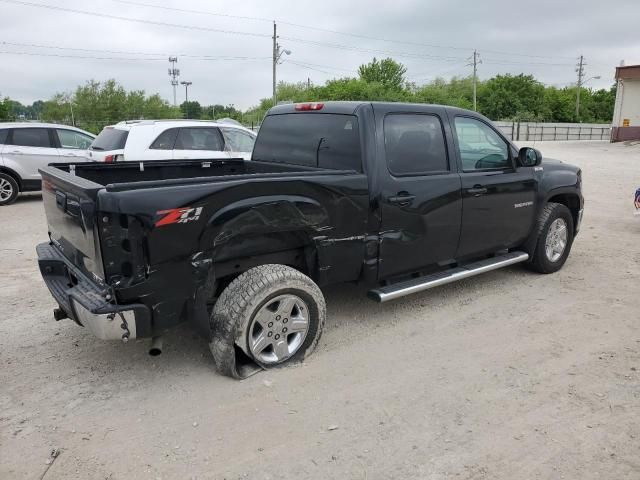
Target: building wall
column 627, row 107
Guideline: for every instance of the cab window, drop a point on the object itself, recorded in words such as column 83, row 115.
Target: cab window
column 480, row 146
column 414, row 144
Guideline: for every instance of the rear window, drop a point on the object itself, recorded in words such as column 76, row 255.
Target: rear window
column 110, row 139
column 322, row 140
column 3, row 136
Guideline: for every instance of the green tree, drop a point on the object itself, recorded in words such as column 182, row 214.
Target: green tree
column 97, row 104
column 191, row 109
column 4, row 109
column 387, row 72
column 457, row 92
column 511, row 97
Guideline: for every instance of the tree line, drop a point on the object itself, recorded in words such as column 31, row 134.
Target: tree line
column 503, row 97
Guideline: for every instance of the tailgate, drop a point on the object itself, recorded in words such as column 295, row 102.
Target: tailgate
column 70, row 203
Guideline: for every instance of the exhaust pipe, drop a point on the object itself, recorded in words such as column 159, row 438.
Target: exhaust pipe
column 156, row 346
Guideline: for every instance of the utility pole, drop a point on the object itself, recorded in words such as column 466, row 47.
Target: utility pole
column 308, row 83
column 275, row 60
column 277, row 53
column 476, row 61
column 186, row 90
column 174, row 73
column 580, row 70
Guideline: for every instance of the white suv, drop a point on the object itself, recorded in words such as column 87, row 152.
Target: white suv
column 172, row 140
column 26, row 147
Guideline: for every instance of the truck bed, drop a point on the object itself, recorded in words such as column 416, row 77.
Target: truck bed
column 131, row 174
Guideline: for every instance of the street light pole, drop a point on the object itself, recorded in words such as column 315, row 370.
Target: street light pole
column 186, row 90
column 580, row 84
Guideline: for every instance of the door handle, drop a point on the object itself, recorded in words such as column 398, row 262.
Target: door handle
column 16, row 152
column 477, row 190
column 402, row 200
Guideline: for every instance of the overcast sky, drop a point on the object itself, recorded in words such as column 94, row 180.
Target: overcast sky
column 540, row 37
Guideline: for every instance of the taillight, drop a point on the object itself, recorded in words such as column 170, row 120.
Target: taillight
column 305, row 107
column 109, row 158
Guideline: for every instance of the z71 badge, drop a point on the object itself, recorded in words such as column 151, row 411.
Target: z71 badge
column 179, row 215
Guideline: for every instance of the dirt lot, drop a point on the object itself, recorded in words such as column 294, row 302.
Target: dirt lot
column 510, row 375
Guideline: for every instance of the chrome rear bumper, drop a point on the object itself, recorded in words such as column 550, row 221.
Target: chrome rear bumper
column 88, row 303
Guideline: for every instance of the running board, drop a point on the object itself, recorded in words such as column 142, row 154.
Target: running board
column 400, row 289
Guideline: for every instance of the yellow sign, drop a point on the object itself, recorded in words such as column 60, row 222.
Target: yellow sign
column 626, row 122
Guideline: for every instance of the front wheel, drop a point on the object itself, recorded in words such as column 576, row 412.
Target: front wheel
column 272, row 314
column 554, row 238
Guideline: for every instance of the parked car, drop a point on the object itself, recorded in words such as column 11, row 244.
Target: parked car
column 26, row 147
column 398, row 196
column 172, row 140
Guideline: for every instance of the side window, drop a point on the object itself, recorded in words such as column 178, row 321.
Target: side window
column 237, row 140
column 480, row 146
column 414, row 144
column 199, row 138
column 3, row 136
column 71, row 139
column 31, row 137
column 166, row 140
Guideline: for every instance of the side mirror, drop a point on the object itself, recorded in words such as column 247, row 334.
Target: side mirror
column 529, row 157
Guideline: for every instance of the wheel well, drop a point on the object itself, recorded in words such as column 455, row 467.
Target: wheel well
column 12, row 174
column 571, row 201
column 227, row 271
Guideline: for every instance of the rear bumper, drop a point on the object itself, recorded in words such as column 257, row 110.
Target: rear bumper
column 86, row 302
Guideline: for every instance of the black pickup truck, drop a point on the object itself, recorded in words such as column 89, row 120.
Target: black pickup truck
column 401, row 197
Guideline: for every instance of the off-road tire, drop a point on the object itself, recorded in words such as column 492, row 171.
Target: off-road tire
column 4, row 178
column 539, row 261
column 242, row 299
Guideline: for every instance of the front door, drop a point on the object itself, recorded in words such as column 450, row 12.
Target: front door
column 420, row 200
column 238, row 143
column 498, row 198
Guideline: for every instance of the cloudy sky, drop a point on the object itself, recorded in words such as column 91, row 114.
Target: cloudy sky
column 49, row 46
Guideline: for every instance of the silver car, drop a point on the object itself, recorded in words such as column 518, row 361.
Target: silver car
column 26, row 147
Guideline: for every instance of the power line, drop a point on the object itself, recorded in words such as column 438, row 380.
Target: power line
column 92, row 57
column 260, row 35
column 86, row 57
column 160, row 54
column 337, row 32
column 135, row 20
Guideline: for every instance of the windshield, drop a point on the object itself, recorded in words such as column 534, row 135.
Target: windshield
column 110, row 139
column 321, row 140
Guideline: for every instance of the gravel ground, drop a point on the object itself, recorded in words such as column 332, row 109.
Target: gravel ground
column 509, row 375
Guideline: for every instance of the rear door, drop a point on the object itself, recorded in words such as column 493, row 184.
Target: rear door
column 498, row 198
column 420, row 199
column 238, row 143
column 195, row 143
column 28, row 149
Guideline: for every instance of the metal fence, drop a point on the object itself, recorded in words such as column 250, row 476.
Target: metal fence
column 554, row 131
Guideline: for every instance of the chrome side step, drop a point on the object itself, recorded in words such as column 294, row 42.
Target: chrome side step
column 397, row 290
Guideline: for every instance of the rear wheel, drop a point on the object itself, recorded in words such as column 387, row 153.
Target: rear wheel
column 8, row 189
column 268, row 316
column 554, row 238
